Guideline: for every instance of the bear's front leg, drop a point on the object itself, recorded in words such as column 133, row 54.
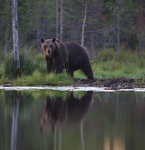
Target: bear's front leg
column 49, row 65
column 49, row 68
column 57, row 66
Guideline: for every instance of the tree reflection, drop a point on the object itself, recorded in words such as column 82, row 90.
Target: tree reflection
column 16, row 102
column 15, row 124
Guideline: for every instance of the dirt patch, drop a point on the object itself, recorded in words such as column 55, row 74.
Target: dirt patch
column 111, row 83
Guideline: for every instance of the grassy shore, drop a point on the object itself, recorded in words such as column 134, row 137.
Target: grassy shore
column 106, row 65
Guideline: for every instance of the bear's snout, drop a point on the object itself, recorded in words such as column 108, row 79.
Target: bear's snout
column 49, row 52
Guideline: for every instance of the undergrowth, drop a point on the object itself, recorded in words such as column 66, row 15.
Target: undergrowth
column 106, row 65
column 38, row 78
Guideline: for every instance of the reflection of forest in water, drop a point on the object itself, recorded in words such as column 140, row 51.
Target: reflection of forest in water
column 58, row 120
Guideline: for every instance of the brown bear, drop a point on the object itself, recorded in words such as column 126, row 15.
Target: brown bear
column 69, row 55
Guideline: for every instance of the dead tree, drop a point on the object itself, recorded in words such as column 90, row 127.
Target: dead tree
column 61, row 19
column 83, row 25
column 57, row 18
column 15, row 35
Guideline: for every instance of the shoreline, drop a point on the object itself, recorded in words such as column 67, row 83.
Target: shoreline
column 97, row 85
column 69, row 88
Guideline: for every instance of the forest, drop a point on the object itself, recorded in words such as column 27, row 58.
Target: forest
column 112, row 31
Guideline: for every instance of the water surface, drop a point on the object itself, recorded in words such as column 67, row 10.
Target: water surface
column 52, row 120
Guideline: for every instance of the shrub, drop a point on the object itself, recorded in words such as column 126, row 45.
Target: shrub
column 41, row 64
column 106, row 55
column 1, row 69
column 28, row 65
column 125, row 56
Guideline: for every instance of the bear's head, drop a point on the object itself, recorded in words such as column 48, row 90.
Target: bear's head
column 49, row 46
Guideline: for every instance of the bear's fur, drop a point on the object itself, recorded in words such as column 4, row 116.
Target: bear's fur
column 69, row 55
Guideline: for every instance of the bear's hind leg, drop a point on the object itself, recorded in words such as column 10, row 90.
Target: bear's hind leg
column 87, row 70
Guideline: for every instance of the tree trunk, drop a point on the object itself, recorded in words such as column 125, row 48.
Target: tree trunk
column 61, row 19
column 57, row 19
column 15, row 34
column 83, row 25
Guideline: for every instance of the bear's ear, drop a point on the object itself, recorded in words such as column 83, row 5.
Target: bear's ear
column 42, row 41
column 54, row 39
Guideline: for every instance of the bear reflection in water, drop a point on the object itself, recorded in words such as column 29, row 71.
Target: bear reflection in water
column 59, row 110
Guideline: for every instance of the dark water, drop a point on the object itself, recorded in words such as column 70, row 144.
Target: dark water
column 72, row 121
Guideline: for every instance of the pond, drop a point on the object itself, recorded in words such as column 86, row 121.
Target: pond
column 60, row 120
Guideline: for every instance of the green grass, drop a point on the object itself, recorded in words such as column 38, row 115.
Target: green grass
column 101, row 70
column 3, row 80
column 38, row 78
column 114, row 69
column 106, row 65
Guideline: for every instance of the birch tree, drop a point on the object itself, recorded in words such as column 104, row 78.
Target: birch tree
column 61, row 19
column 57, row 18
column 83, row 25
column 15, row 35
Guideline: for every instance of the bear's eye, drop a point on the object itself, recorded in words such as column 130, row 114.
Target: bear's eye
column 45, row 46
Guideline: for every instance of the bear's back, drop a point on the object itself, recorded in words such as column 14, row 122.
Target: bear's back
column 76, row 52
column 77, row 55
